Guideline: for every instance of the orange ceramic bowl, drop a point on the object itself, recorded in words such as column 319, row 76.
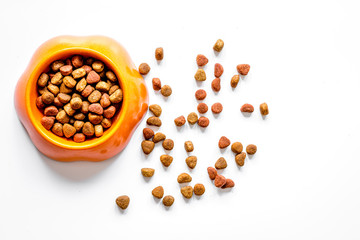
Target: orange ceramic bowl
column 134, row 105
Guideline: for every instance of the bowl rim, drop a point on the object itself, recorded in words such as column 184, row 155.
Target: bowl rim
column 31, row 85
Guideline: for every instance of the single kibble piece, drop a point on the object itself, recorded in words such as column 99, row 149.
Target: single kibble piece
column 111, row 76
column 191, row 161
column 200, row 94
column 168, row 201
column 51, row 111
column 106, row 123
column 180, row 121
column 77, row 61
column 156, row 84
column 66, row 70
column 212, row 172
column 57, row 79
column 201, row 60
column 53, row 89
column 47, row 122
column 155, row 109
column 62, row 117
column 166, row 160
column 69, row 82
column 87, row 91
column 144, row 68
column 63, row 97
column 87, row 68
column 99, row 131
column 102, row 86
column 247, row 108
column 199, row 189
column 69, row 111
column 88, row 129
column 81, row 85
column 98, row 66
column 94, row 118
column 240, row 159
column 159, row 53
column 56, row 65
column 95, row 96
column 224, row 142
column 108, row 113
column 234, row 81
column 264, row 110
column 243, row 69
column 147, row 146
column 65, row 89
column 78, row 73
column 202, row 108
column 43, row 80
column 57, row 102
column 68, row 130
column 158, row 192
column 78, row 125
column 168, row 144
column 187, row 191
column 148, row 133
column 166, row 90
column 47, row 97
column 154, row 121
column 57, row 129
column 203, row 122
column 105, row 100
column 113, row 89
column 189, row 146
column 158, row 137
column 218, row 70
column 40, row 104
column 117, row 96
column 79, row 137
column 123, row 202
column 96, row 108
column 192, row 118
column 237, row 147
column 221, row 163
column 147, row 172
column 219, row 181
column 217, row 108
column 218, row 46
column 184, row 178
column 200, row 75
column 251, row 149
column 228, row 184
column 215, row 85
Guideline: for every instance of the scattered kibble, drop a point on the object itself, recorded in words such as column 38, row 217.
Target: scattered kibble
column 237, row 147
column 166, row 90
column 180, row 121
column 192, row 118
column 243, row 69
column 158, row 137
column 202, row 108
column 184, row 178
column 144, row 69
column 147, row 146
column 199, row 189
column 218, row 46
column 251, row 149
column 234, row 81
column 159, row 53
column 158, row 192
column 201, row 60
column 147, row 172
column 224, row 142
column 264, row 110
column 168, row 200
column 228, row 184
column 219, row 181
column 212, row 172
column 247, row 108
column 156, row 84
column 155, row 109
column 168, row 144
column 191, row 162
column 123, row 202
column 215, row 85
column 200, row 75
column 166, row 160
column 189, row 146
column 187, row 191
column 221, row 163
column 154, row 121
column 217, row 108
column 218, row 70
column 200, row 94
column 148, row 133
column 240, row 159
column 203, row 122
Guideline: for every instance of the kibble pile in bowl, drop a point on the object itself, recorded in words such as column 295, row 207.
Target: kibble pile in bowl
column 78, row 97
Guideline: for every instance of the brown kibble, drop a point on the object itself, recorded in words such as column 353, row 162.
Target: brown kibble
column 111, row 76
column 94, row 96
column 92, row 77
column 109, row 112
column 47, row 97
column 203, row 122
column 237, row 147
column 147, row 172
column 251, row 149
column 144, row 69
column 89, row 61
column 215, row 85
column 102, row 86
column 123, row 202
column 57, row 129
column 234, row 81
column 105, row 100
column 228, row 184
column 199, row 189
column 77, row 61
column 200, row 94
column 113, row 89
column 201, row 60
column 79, row 116
column 78, row 125
column 39, row 103
column 192, row 118
column 57, row 102
column 96, row 108
column 43, row 80
column 148, row 133
column 106, row 123
column 51, row 111
column 94, row 118
column 264, row 110
column 117, row 96
column 200, row 75
column 99, row 131
column 158, row 137
column 69, row 82
column 53, row 89
column 187, row 191
column 217, row 108
column 98, row 66
column 189, row 146
column 63, row 97
column 221, row 163
column 155, row 109
column 243, row 69
column 180, row 121
column 224, row 142
column 66, row 70
column 78, row 73
column 218, row 70
column 47, row 122
column 88, row 129
column 202, row 108
column 69, row 111
column 168, row 201
column 166, row 160
column 76, row 103
column 62, row 117
column 147, row 146
column 56, row 65
column 159, row 53
column 85, row 107
column 220, row 181
column 184, row 178
column 247, row 108
column 42, row 90
column 65, row 89
column 240, row 159
column 68, row 130
column 87, row 91
column 154, row 121
column 158, row 192
column 218, row 46
column 156, row 84
column 81, row 85
column 168, row 144
column 79, row 137
column 191, row 161
column 166, row 90
column 212, row 172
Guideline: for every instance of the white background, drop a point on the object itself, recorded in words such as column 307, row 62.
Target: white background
column 303, row 183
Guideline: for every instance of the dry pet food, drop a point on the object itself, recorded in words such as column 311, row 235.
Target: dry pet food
column 199, row 189
column 191, row 161
column 218, row 70
column 180, row 121
column 159, row 53
column 189, row 146
column 184, row 178
column 237, row 147
column 155, row 109
column 224, row 142
column 168, row 200
column 203, row 122
column 218, row 46
column 217, row 108
column 215, row 85
column 88, row 95
column 148, row 133
column 219, row 181
column 147, row 172
column 221, row 163
column 264, row 110
column 201, row 60
column 234, row 81
column 240, row 159
column 144, row 69
column 168, row 144
column 187, row 191
column 156, row 84
column 200, row 75
column 123, row 202
column 158, row 192
column 247, row 108
column 212, row 172
column 200, row 94
column 202, row 108
column 192, row 118
column 228, row 184
column 147, row 146
column 251, row 149
column 166, row 90
column 166, row 160
column 243, row 69
column 158, row 137
column 154, row 121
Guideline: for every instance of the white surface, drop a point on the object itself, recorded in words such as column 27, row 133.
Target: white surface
column 302, row 184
